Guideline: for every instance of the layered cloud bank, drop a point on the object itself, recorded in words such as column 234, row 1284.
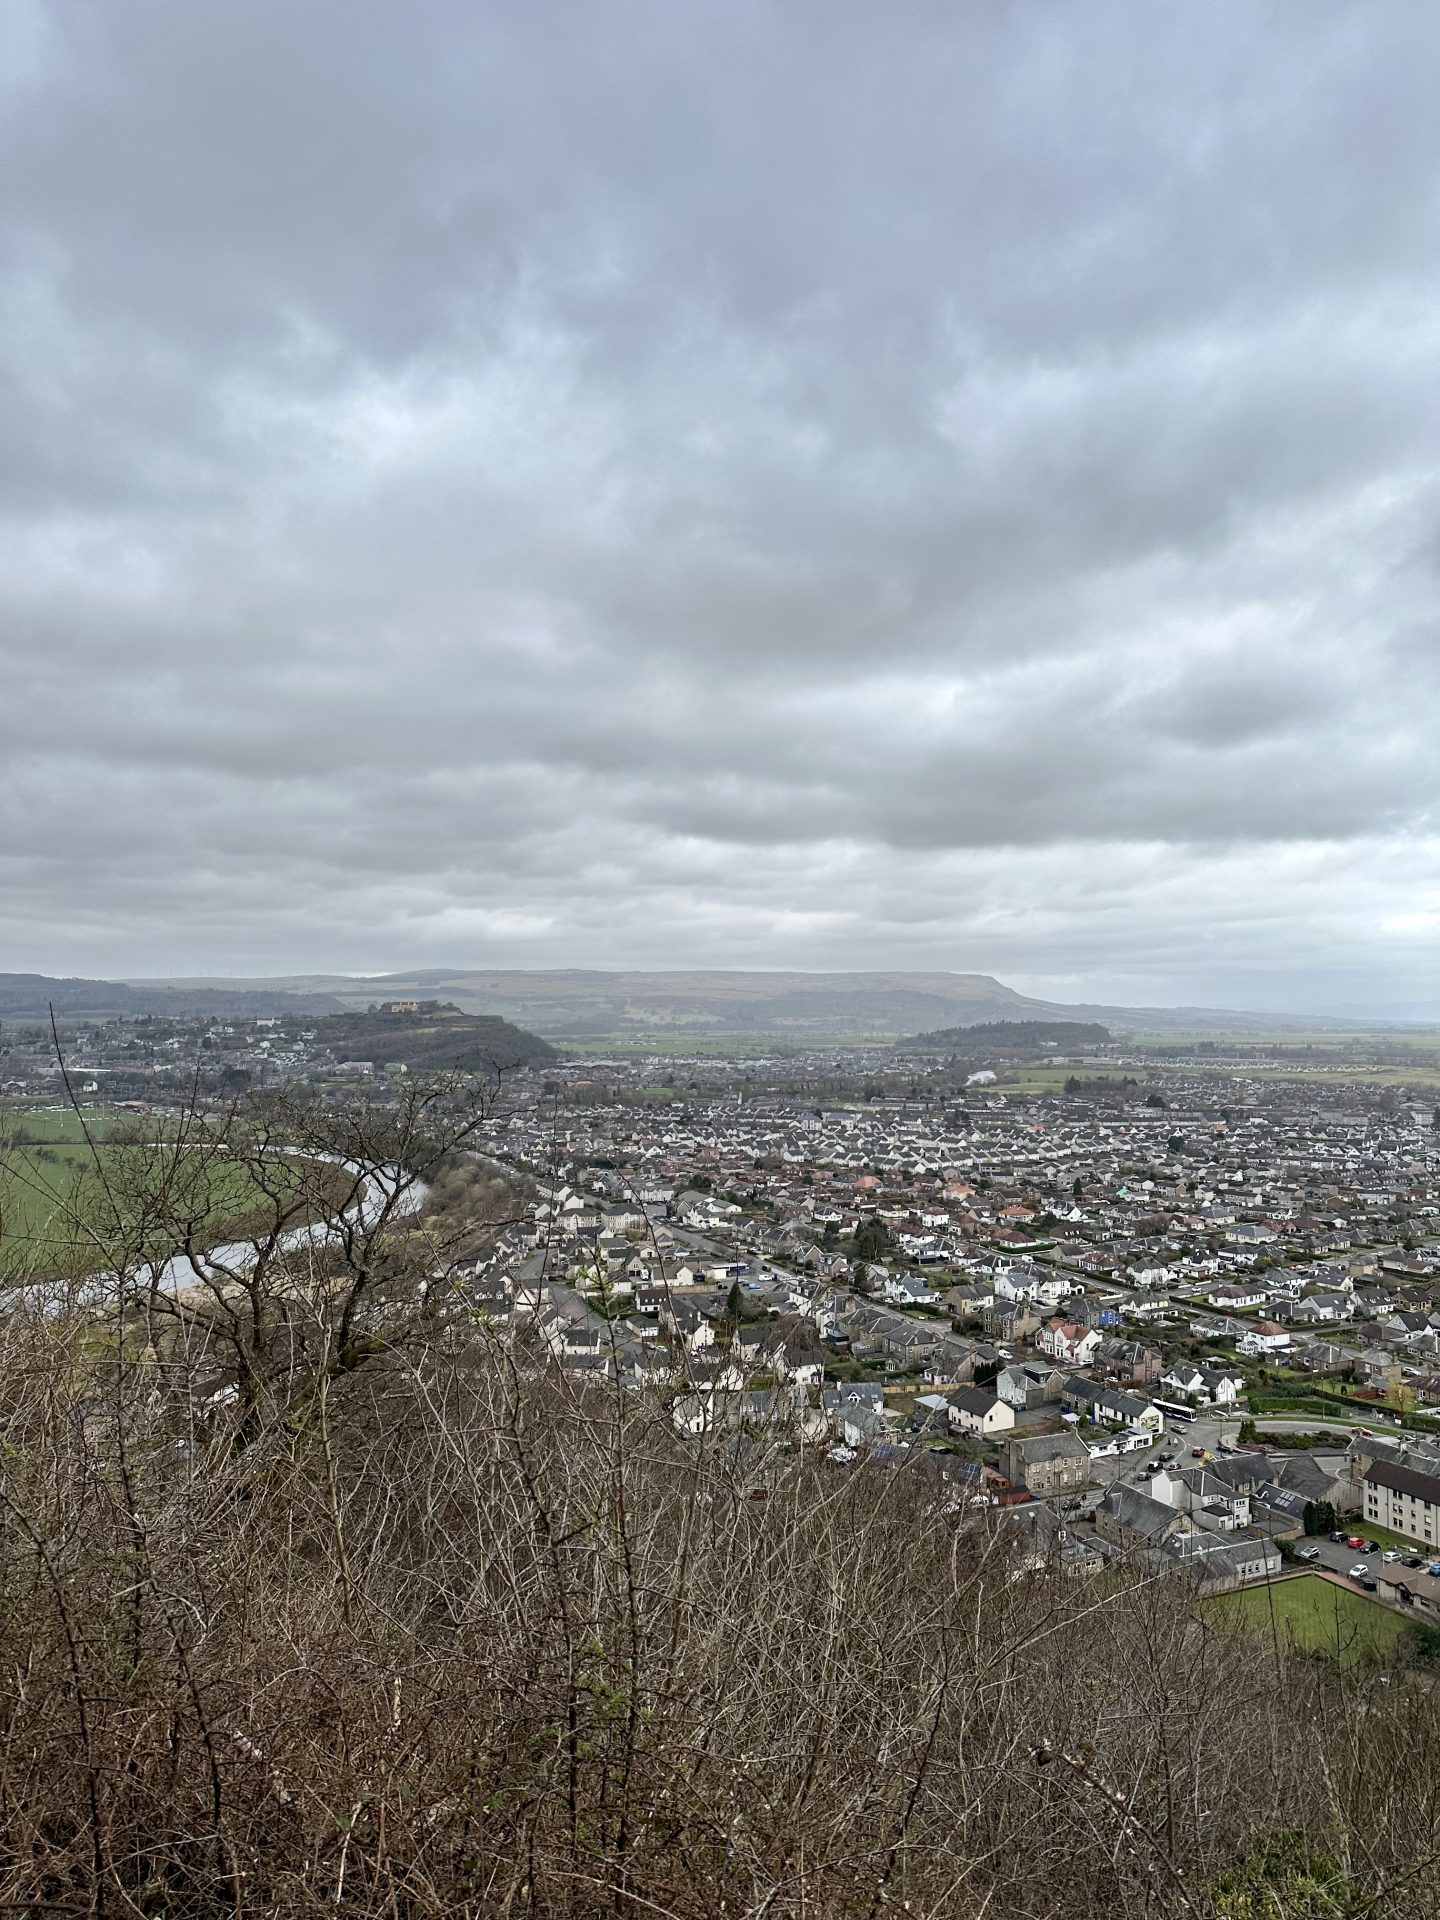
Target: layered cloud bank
column 673, row 484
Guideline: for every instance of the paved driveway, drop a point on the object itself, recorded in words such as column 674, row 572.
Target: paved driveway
column 1339, row 1559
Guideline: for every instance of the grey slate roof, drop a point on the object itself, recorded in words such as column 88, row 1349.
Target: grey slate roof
column 1406, row 1480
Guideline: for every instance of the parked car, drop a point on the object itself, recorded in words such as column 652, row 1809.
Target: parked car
column 1360, row 1572
column 1355, row 1541
column 1390, row 1554
column 1371, row 1546
column 1413, row 1560
column 1370, row 1586
column 1338, row 1539
column 1434, row 1570
column 1308, row 1553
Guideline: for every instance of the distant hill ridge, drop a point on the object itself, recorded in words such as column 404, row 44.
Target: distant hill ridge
column 804, row 1008
column 30, row 996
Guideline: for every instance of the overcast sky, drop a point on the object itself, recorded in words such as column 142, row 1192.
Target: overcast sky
column 692, row 482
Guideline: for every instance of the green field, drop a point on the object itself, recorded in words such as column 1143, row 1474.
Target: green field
column 1312, row 1615
column 64, row 1208
column 727, row 1046
column 1051, row 1080
column 63, row 1125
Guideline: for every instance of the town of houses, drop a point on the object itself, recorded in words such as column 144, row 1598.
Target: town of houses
column 1041, row 1302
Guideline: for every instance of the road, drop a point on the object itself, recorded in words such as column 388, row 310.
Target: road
column 221, row 1263
column 1207, row 1431
column 1341, row 1428
column 377, row 1188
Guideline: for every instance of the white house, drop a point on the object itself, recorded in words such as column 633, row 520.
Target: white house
column 1234, row 1294
column 800, row 1367
column 688, row 1324
column 1018, row 1283
column 1316, row 1309
column 1264, row 1337
column 1207, row 1386
column 1250, row 1233
column 1214, row 1503
column 1112, row 1406
column 1051, row 1292
column 1065, row 1340
column 903, row 1290
column 977, row 1410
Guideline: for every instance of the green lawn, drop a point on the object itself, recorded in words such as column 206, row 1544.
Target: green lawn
column 61, row 1125
column 1387, row 1539
column 1023, row 1078
column 63, row 1208
column 1312, row 1615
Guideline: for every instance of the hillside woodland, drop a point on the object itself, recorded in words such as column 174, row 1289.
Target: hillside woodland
column 435, row 1038
column 1014, row 1036
column 318, row 1595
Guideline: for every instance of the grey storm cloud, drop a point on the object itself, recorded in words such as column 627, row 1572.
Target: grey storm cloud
column 673, row 483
